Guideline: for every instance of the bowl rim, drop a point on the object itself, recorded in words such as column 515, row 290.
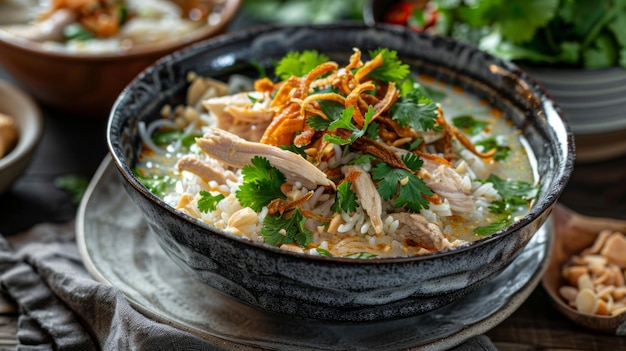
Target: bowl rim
column 244, row 36
column 231, row 8
column 31, row 118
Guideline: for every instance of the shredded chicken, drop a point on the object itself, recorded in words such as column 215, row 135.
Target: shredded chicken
column 207, row 170
column 421, row 232
column 236, row 152
column 366, row 190
column 235, row 114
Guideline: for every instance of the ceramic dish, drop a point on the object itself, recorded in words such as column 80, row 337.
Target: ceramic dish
column 119, row 249
column 339, row 288
column 84, row 84
column 573, row 233
column 29, row 122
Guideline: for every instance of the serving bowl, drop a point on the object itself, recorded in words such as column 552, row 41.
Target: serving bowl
column 332, row 288
column 573, row 234
column 87, row 84
column 25, row 113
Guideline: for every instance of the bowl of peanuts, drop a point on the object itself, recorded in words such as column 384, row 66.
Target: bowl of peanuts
column 586, row 276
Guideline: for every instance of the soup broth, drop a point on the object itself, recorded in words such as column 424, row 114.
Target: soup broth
column 346, row 185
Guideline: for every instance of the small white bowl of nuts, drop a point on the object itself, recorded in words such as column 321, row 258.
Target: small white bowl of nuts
column 21, row 127
column 586, row 277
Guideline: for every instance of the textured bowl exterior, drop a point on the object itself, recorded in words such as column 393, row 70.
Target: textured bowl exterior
column 87, row 85
column 341, row 289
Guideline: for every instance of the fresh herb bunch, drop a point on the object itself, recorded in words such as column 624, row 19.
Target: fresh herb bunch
column 576, row 33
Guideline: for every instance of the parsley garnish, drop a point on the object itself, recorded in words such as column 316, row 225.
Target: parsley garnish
column 286, row 229
column 299, row 64
column 323, row 252
column 411, row 187
column 468, row 124
column 345, row 200
column 493, row 227
column 261, row 184
column 208, row 202
column 392, row 69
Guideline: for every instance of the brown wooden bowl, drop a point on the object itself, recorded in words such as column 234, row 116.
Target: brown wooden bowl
column 573, row 233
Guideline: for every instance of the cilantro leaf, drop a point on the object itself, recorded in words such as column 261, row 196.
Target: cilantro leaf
column 157, row 185
column 407, row 186
column 286, row 229
column 345, row 200
column 74, row 184
column 208, row 202
column 502, row 151
column 493, row 227
column 468, row 124
column 295, row 149
column 513, row 191
column 392, row 69
column 170, row 136
column 261, row 184
column 415, row 110
column 345, row 122
column 299, row 63
column 361, row 255
column 323, row 252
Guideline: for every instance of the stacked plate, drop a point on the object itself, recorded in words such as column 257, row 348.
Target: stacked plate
column 594, row 102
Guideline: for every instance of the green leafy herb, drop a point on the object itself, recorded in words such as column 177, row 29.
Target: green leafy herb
column 345, row 122
column 170, row 136
column 74, row 184
column 404, row 185
column 208, row 202
column 415, row 110
column 261, row 184
column 156, row 184
column 502, row 151
column 514, row 192
column 361, row 255
column 323, row 252
column 299, row 64
column 392, row 69
column 468, row 124
column 75, row 31
column 295, row 149
column 362, row 159
column 345, row 200
column 579, row 33
column 493, row 227
column 286, row 229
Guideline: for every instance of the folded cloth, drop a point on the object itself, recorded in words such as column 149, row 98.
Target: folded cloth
column 62, row 308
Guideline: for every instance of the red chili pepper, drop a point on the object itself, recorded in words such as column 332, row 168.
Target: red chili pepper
column 399, row 13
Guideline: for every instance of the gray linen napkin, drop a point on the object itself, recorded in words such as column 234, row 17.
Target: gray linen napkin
column 62, row 308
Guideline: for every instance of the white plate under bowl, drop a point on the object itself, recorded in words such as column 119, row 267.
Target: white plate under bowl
column 118, row 248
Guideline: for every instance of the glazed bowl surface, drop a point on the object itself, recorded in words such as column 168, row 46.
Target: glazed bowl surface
column 87, row 84
column 331, row 288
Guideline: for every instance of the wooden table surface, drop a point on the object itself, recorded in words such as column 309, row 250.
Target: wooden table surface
column 77, row 146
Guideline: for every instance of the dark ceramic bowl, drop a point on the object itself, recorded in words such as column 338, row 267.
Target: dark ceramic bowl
column 340, row 288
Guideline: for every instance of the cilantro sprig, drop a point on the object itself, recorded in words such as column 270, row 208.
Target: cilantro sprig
column 345, row 200
column 392, row 69
column 261, row 184
column 208, row 202
column 469, row 124
column 286, row 229
column 299, row 63
column 405, row 186
column 515, row 194
column 416, row 110
column 502, row 151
